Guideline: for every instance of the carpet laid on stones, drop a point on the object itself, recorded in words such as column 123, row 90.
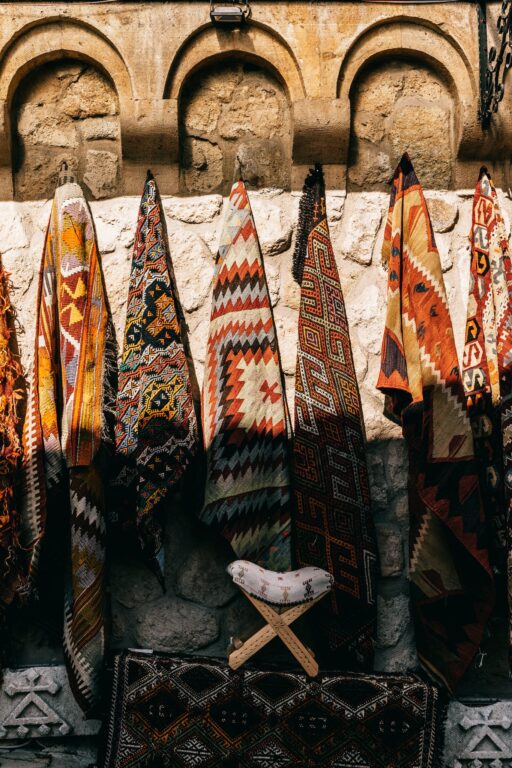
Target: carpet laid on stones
column 198, row 713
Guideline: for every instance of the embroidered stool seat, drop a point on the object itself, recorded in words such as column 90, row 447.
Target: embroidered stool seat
column 270, row 593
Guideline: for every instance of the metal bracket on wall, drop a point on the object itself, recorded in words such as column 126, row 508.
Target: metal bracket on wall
column 494, row 64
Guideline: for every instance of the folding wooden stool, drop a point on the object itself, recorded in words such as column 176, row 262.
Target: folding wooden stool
column 280, row 598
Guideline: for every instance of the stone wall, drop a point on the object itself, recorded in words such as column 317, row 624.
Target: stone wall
column 351, row 85
column 200, row 610
column 65, row 111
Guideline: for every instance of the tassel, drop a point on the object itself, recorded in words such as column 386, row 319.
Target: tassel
column 305, row 222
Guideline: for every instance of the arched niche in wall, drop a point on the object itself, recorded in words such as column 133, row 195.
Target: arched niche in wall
column 440, row 63
column 233, row 108
column 35, row 54
column 233, row 90
column 401, row 104
column 65, row 110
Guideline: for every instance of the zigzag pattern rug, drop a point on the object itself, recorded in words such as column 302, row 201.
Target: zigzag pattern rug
column 156, row 427
column 487, row 371
column 333, row 523
column 69, row 424
column 451, row 580
column 244, row 412
column 197, row 713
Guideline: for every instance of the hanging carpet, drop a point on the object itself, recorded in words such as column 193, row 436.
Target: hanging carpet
column 247, row 495
column 198, row 713
column 333, row 523
column 69, row 432
column 156, row 426
column 452, row 590
column 487, row 369
column 11, row 395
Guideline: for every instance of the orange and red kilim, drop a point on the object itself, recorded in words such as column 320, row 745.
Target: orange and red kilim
column 452, row 587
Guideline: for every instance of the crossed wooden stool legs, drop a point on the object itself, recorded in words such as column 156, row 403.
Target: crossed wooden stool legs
column 270, row 593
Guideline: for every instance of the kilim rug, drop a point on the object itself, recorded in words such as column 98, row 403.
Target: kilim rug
column 11, row 393
column 487, row 367
column 156, row 427
column 333, row 523
column 247, row 495
column 198, row 713
column 451, row 580
column 68, row 426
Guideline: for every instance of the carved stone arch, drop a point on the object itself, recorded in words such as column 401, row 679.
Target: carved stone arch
column 420, row 40
column 48, row 41
column 56, row 38
column 255, row 43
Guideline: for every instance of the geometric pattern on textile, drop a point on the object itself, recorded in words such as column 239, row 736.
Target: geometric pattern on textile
column 11, row 393
column 487, row 366
column 263, row 719
column 291, row 588
column 452, row 588
column 68, row 426
column 247, row 496
column 334, row 528
column 156, row 426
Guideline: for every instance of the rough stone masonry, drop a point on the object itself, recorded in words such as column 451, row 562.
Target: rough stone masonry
column 304, row 82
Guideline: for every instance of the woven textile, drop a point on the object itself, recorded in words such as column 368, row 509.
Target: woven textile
column 199, row 714
column 68, row 425
column 244, row 412
column 333, row 523
column 11, row 393
column 156, row 427
column 451, row 580
column 487, row 365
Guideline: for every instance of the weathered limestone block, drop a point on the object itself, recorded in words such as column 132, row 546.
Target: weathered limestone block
column 390, row 544
column 101, row 171
column 234, row 111
column 399, row 107
column 194, row 210
column 202, row 165
column 193, row 266
column 202, row 577
column 174, row 625
column 263, row 162
column 362, row 216
column 444, row 214
column 394, row 619
column 60, row 112
column 272, row 224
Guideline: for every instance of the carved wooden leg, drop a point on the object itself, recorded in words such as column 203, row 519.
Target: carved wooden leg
column 288, row 637
column 263, row 636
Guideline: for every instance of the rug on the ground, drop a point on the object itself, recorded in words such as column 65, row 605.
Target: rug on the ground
column 197, row 713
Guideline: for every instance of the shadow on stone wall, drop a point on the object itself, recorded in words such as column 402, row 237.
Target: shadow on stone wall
column 400, row 106
column 234, row 109
column 66, row 110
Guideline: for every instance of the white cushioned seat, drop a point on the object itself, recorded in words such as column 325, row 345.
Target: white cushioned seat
column 289, row 588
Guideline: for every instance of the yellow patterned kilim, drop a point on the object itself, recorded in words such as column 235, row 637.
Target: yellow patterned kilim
column 66, row 424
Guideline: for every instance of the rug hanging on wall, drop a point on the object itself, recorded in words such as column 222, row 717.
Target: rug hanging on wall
column 333, row 522
column 156, row 425
column 68, row 436
column 245, row 425
column 198, row 713
column 11, row 396
column 487, row 370
column 452, row 587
